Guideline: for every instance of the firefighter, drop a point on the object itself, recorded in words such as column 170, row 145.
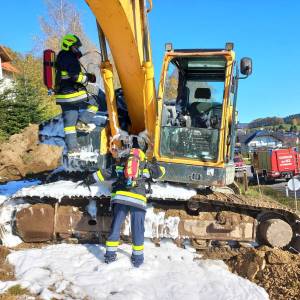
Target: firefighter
column 71, row 93
column 128, row 195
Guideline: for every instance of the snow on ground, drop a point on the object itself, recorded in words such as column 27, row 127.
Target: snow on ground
column 166, row 190
column 7, row 208
column 64, row 188
column 77, row 271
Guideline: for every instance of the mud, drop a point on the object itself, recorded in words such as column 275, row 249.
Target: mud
column 275, row 270
column 6, row 270
column 23, row 155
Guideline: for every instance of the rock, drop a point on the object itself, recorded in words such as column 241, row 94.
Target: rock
column 23, row 155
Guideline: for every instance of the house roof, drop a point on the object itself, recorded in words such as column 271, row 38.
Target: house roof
column 7, row 66
column 5, row 56
column 262, row 133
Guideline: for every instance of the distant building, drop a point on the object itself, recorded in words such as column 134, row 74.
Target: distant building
column 7, row 70
column 260, row 139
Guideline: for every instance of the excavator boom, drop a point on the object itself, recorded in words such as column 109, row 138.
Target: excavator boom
column 124, row 24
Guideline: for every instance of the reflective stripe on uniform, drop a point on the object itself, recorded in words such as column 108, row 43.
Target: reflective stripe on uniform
column 92, row 108
column 129, row 201
column 138, row 248
column 70, row 129
column 146, row 173
column 163, row 171
column 72, row 97
column 98, row 176
column 134, row 252
column 111, row 249
column 112, row 243
column 119, row 170
column 81, row 78
column 132, row 195
column 65, row 75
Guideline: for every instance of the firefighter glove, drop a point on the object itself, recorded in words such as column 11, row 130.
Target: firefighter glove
column 88, row 181
column 91, row 77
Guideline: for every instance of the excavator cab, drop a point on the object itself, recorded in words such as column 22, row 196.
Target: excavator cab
column 196, row 104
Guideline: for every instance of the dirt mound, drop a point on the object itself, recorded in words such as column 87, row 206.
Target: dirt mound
column 23, row 155
column 6, row 270
column 276, row 270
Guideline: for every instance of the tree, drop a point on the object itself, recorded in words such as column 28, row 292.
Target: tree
column 63, row 18
column 19, row 106
column 171, row 86
column 31, row 70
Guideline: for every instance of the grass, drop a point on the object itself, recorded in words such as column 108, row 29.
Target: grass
column 17, row 290
column 253, row 191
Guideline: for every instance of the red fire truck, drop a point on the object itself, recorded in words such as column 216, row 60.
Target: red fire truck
column 276, row 163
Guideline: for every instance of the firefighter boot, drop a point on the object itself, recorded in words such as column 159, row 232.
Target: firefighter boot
column 110, row 256
column 137, row 260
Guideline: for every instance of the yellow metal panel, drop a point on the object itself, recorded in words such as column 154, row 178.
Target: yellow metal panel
column 103, row 141
column 120, row 21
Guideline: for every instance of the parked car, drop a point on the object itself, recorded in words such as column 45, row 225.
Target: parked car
column 239, row 164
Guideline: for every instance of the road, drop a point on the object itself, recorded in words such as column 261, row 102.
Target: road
column 279, row 185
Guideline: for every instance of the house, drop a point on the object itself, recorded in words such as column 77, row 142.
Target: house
column 7, row 70
column 261, row 139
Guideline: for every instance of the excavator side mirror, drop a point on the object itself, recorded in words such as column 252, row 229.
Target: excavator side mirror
column 246, row 66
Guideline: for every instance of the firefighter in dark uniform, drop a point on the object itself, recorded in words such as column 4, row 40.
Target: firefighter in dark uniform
column 128, row 195
column 71, row 93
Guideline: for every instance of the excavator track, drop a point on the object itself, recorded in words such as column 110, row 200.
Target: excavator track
column 207, row 219
column 273, row 224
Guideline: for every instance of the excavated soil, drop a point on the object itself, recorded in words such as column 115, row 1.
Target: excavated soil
column 275, row 270
column 23, row 155
column 6, row 270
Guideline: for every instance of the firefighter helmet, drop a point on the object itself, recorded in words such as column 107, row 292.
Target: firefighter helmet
column 70, row 40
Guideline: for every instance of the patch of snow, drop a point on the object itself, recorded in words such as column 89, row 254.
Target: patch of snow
column 2, row 198
column 156, row 225
column 92, row 208
column 171, row 191
column 63, row 188
column 78, row 271
column 7, row 210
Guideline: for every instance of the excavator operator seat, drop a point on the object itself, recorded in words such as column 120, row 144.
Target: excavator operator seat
column 198, row 109
column 202, row 93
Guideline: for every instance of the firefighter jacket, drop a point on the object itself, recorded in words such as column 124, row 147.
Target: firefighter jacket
column 70, row 81
column 130, row 195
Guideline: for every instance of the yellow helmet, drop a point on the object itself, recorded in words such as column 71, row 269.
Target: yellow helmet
column 70, row 40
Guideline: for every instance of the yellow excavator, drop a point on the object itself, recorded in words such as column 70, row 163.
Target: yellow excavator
column 189, row 125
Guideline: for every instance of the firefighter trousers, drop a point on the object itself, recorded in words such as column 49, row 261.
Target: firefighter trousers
column 74, row 112
column 137, row 215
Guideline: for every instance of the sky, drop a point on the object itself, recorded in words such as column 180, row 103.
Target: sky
column 267, row 31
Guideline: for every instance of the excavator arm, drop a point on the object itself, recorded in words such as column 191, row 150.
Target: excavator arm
column 123, row 25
